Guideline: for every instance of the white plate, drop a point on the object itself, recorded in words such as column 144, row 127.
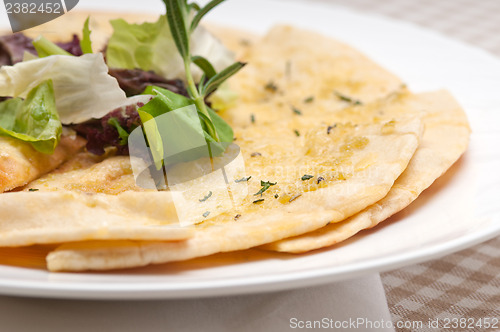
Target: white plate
column 458, row 211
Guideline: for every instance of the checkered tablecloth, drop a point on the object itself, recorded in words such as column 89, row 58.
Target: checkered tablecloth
column 462, row 290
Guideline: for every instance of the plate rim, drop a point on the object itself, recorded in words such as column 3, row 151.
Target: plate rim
column 82, row 290
column 262, row 284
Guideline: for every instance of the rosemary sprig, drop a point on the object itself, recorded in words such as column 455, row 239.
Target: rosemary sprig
column 181, row 27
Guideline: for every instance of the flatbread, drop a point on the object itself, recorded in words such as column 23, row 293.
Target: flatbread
column 55, row 217
column 89, row 173
column 368, row 173
column 20, row 163
column 299, row 114
column 292, row 68
column 445, row 139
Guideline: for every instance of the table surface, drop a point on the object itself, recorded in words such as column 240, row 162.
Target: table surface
column 465, row 284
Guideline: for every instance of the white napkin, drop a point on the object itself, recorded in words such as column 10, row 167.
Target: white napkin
column 358, row 304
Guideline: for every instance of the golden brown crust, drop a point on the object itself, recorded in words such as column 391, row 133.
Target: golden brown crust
column 445, row 139
column 89, row 173
column 20, row 163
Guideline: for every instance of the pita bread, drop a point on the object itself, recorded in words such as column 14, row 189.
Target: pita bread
column 445, row 139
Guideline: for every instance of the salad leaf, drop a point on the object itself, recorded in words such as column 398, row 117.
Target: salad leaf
column 224, row 130
column 166, row 101
column 83, row 89
column 170, row 100
column 19, row 47
column 175, row 136
column 121, row 131
column 34, row 120
column 86, row 43
column 150, row 46
column 153, row 136
column 72, row 46
column 188, row 129
column 45, row 47
column 135, row 81
column 13, row 47
column 113, row 129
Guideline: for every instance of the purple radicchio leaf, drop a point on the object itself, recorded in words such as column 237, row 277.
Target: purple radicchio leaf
column 101, row 134
column 72, row 46
column 12, row 48
column 135, row 81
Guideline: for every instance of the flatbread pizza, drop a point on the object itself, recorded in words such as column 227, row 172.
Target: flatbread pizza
column 327, row 142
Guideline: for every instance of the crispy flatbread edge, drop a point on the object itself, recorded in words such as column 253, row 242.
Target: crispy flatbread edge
column 77, row 216
column 20, row 163
column 445, row 139
column 232, row 236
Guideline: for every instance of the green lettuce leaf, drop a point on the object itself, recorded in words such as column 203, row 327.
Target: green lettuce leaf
column 153, row 137
column 45, row 47
column 34, row 120
column 166, row 101
column 142, row 46
column 150, row 46
column 86, row 43
column 83, row 88
column 224, row 130
column 122, row 133
column 178, row 137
